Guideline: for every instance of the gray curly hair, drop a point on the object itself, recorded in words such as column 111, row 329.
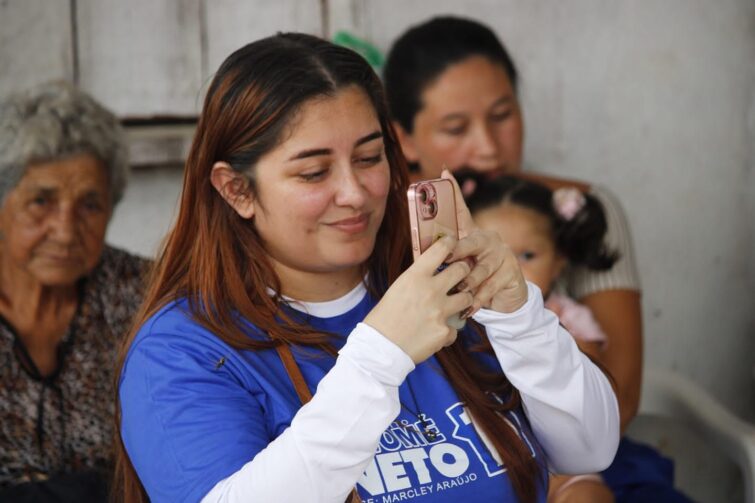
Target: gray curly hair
column 54, row 121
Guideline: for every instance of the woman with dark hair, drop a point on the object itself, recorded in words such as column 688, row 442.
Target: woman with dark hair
column 452, row 86
column 288, row 351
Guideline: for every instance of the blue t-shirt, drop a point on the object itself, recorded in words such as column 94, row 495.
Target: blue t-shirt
column 195, row 410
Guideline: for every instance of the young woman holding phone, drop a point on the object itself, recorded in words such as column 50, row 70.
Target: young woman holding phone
column 288, row 278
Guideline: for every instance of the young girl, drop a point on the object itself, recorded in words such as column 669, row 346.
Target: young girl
column 288, row 350
column 548, row 231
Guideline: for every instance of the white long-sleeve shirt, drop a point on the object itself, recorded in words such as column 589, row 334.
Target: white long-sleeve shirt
column 332, row 439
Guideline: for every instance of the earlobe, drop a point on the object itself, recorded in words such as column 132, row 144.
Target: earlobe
column 233, row 188
column 407, row 143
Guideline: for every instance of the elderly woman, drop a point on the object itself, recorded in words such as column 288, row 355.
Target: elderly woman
column 65, row 297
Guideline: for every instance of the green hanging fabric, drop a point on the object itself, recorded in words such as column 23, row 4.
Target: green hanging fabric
column 368, row 51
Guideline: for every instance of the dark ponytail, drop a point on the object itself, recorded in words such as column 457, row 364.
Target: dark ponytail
column 580, row 238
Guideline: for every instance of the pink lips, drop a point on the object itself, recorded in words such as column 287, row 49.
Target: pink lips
column 352, row 225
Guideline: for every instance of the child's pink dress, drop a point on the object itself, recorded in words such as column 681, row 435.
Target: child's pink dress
column 576, row 318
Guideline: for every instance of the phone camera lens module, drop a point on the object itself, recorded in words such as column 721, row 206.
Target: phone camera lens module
column 432, row 208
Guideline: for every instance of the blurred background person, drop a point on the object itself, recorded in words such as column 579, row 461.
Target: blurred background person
column 452, row 89
column 66, row 297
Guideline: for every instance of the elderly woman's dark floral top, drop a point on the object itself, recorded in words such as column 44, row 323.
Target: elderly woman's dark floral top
column 64, row 422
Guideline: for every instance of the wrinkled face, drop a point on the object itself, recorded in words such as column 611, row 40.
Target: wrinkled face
column 321, row 193
column 53, row 222
column 470, row 116
column 529, row 235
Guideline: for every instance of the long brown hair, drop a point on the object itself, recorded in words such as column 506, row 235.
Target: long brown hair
column 216, row 260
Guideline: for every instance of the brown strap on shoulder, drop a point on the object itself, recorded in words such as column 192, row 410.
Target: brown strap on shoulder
column 300, row 385
column 292, row 369
column 354, row 497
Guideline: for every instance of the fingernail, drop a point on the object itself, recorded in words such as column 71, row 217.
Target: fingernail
column 467, row 313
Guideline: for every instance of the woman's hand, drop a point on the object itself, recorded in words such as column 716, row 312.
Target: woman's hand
column 496, row 278
column 413, row 312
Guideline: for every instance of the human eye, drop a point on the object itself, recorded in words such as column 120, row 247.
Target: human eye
column 527, row 256
column 39, row 200
column 501, row 115
column 370, row 160
column 93, row 205
column 39, row 204
column 454, row 126
column 455, row 130
column 313, row 175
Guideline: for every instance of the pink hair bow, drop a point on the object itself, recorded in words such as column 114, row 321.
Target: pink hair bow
column 568, row 201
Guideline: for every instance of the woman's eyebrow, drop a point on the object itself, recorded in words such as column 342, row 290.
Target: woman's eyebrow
column 311, row 153
column 368, row 138
column 314, row 152
column 503, row 100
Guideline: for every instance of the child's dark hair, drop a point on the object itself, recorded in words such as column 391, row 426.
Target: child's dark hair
column 579, row 238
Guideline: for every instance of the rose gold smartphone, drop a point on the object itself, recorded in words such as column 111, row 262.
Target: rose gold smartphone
column 432, row 215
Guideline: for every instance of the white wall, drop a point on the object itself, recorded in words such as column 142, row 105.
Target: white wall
column 35, row 43
column 655, row 100
column 148, row 208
